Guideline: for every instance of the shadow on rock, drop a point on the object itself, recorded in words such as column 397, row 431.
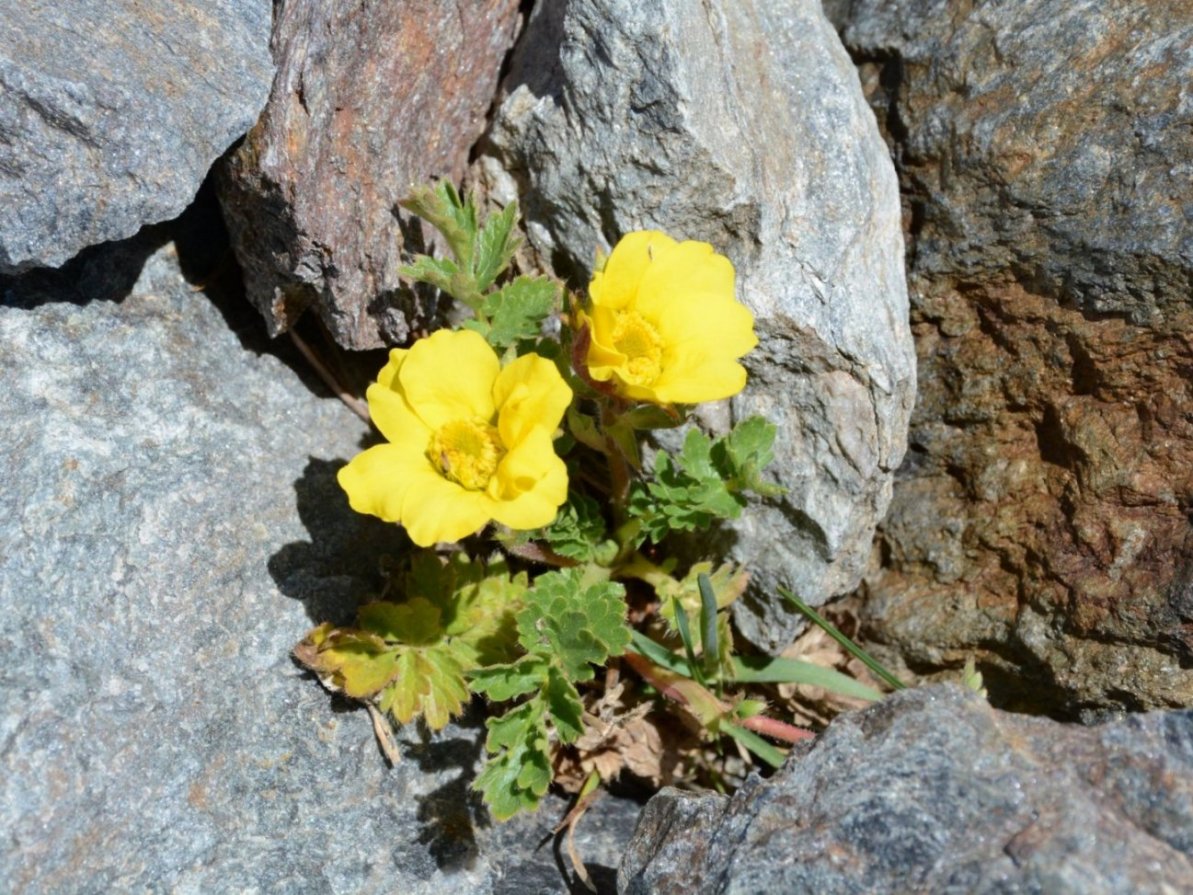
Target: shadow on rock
column 340, row 566
column 450, row 815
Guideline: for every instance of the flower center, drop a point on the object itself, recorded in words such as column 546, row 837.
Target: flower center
column 467, row 453
column 641, row 345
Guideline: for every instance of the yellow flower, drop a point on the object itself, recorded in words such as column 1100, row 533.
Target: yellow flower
column 664, row 325
column 469, row 442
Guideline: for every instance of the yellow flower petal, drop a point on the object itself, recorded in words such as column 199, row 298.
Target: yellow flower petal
column 397, row 356
column 616, row 286
column 709, row 325
column 693, row 382
column 532, row 483
column 686, row 269
column 468, row 442
column 394, row 417
column 377, row 480
column 665, row 324
column 448, row 376
column 434, row 509
column 529, row 392
column 603, row 359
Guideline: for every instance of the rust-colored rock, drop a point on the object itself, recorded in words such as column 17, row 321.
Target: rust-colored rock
column 1041, row 521
column 369, row 99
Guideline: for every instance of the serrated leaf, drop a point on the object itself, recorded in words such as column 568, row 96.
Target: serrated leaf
column 565, row 705
column 477, row 602
column 414, row 622
column 495, row 246
column 579, row 529
column 453, row 216
column 358, row 662
column 430, row 683
column 575, row 625
column 439, row 272
column 743, row 455
column 518, row 772
column 516, row 311
column 705, row 481
column 502, row 682
column 499, row 783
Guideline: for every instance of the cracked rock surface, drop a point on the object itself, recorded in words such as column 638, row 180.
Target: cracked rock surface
column 1041, row 520
column 112, row 112
column 933, row 790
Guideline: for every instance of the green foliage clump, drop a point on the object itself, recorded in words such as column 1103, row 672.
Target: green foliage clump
column 586, row 629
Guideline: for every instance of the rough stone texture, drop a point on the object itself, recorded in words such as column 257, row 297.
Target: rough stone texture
column 742, row 124
column 1042, row 518
column 112, row 111
column 934, row 791
column 369, row 100
column 169, row 527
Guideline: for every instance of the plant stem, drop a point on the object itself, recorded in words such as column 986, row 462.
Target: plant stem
column 776, row 729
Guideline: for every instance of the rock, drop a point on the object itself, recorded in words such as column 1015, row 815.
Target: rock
column 1041, row 521
column 935, row 791
column 112, row 112
column 741, row 124
column 369, row 100
column 169, row 527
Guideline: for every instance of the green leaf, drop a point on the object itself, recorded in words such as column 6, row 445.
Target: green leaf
column 414, row 622
column 440, row 273
column 495, row 246
column 477, row 602
column 659, row 654
column 516, row 311
column 454, row 217
column 706, row 481
column 709, row 639
column 584, row 429
column 579, row 531
column 687, row 493
column 852, row 648
column 567, row 709
column 358, row 662
column 574, row 624
column 430, row 682
column 767, row 670
column 502, row 682
column 743, row 455
column 685, row 636
column 518, row 773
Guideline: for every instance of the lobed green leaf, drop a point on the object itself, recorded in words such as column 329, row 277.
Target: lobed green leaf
column 516, row 311
column 495, row 246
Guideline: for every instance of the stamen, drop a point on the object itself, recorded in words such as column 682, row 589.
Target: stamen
column 642, row 346
column 466, row 453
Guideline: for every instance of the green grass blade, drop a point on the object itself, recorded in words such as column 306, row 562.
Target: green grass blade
column 685, row 634
column 708, row 624
column 765, row 670
column 852, row 648
column 658, row 654
column 756, row 744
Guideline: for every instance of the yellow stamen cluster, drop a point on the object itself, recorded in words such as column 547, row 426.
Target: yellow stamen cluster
column 466, row 452
column 640, row 342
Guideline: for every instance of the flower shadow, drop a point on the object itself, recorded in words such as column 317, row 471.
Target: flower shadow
column 339, row 568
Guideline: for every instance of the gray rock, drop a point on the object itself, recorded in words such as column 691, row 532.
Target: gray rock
column 370, row 99
column 169, row 527
column 934, row 791
column 741, row 124
column 1047, row 171
column 112, row 112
